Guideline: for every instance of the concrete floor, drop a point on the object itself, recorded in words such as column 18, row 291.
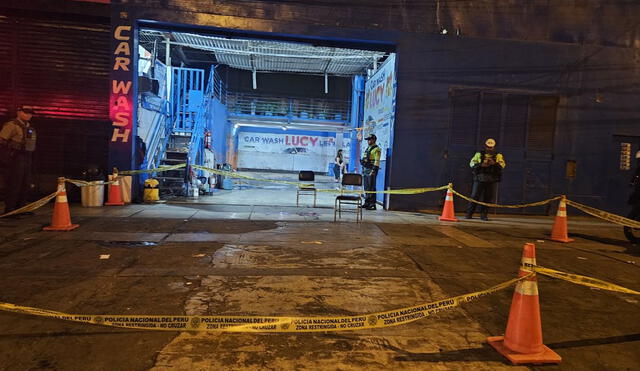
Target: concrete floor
column 257, row 193
column 207, row 259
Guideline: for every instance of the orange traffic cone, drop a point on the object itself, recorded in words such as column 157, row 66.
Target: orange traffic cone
column 522, row 342
column 448, row 214
column 115, row 193
column 560, row 232
column 61, row 220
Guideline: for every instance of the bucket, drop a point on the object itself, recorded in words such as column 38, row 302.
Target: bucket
column 93, row 195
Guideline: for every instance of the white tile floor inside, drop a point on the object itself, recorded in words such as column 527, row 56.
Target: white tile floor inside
column 253, row 192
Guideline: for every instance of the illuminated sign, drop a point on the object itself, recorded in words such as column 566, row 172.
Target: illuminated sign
column 120, row 112
column 122, row 89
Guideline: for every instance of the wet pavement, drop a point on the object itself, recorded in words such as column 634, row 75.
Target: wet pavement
column 197, row 259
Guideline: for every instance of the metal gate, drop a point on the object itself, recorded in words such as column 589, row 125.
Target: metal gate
column 61, row 67
column 188, row 94
column 523, row 126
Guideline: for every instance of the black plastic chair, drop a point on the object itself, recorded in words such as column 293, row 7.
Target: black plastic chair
column 354, row 180
column 306, row 188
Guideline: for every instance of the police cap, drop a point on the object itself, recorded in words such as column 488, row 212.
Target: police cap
column 490, row 143
column 26, row 109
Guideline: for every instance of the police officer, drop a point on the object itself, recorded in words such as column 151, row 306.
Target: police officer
column 371, row 164
column 487, row 168
column 17, row 144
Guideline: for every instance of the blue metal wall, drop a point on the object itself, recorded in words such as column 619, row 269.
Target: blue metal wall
column 219, row 127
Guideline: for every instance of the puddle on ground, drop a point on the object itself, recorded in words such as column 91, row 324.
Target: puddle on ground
column 127, row 243
column 239, row 255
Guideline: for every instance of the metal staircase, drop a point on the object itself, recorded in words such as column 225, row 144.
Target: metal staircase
column 182, row 140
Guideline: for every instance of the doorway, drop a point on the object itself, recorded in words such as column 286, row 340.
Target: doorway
column 265, row 108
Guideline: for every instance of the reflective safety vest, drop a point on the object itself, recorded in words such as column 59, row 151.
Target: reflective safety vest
column 490, row 173
column 372, row 157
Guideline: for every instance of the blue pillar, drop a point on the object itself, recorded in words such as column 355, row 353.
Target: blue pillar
column 357, row 107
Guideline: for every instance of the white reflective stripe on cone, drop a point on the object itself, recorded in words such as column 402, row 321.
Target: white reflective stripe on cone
column 527, row 288
column 62, row 198
column 526, row 260
column 562, row 213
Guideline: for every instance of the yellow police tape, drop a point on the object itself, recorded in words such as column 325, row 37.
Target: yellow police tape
column 247, row 177
column 581, row 280
column 84, row 183
column 605, row 215
column 266, row 323
column 539, row 203
column 405, row 191
column 32, row 206
column 154, row 170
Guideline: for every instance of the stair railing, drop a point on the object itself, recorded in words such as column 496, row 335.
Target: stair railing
column 155, row 139
column 213, row 91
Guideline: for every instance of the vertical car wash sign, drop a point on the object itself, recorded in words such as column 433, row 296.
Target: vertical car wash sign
column 121, row 107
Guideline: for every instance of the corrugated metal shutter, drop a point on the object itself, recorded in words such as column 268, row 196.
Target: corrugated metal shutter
column 522, row 124
column 464, row 117
column 6, row 65
column 515, row 121
column 63, row 68
column 542, row 122
column 490, row 117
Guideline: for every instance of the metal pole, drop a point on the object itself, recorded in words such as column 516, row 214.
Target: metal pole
column 167, row 61
column 255, row 80
column 326, row 83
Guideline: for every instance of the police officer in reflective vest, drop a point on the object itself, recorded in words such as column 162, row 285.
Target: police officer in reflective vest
column 371, row 164
column 487, row 168
column 17, row 144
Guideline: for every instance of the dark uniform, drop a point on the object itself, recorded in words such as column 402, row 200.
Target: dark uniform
column 487, row 168
column 371, row 164
column 17, row 144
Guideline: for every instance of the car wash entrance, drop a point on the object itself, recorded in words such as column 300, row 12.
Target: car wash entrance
column 264, row 108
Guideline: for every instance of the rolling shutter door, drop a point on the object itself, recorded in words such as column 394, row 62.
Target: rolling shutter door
column 515, row 121
column 464, row 117
column 63, row 68
column 6, row 65
column 490, row 117
column 542, row 123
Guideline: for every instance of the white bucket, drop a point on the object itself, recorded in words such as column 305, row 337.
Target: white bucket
column 92, row 196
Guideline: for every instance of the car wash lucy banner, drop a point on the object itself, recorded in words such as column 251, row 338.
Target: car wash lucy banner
column 287, row 143
column 380, row 105
column 288, row 152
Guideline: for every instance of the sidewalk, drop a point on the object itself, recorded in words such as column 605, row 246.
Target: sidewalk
column 259, row 260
